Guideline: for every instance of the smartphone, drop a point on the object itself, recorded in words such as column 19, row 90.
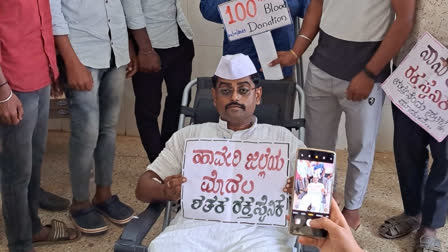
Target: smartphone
column 313, row 189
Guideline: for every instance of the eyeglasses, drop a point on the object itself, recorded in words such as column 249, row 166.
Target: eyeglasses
column 243, row 91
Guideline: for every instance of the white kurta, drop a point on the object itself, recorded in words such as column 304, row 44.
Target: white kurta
column 194, row 235
column 313, row 197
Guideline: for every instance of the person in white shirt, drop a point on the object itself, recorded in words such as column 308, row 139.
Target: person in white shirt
column 170, row 54
column 357, row 40
column 313, row 198
column 235, row 94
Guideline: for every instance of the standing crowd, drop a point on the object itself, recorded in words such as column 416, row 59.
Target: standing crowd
column 86, row 49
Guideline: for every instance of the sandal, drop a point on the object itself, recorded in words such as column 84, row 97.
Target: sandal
column 399, row 226
column 59, row 234
column 428, row 244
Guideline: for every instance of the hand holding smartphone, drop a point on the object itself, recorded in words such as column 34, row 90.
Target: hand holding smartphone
column 313, row 190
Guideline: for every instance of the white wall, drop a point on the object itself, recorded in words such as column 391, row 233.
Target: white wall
column 208, row 49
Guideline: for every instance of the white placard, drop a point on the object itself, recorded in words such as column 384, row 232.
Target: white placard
column 264, row 44
column 419, row 86
column 245, row 18
column 235, row 181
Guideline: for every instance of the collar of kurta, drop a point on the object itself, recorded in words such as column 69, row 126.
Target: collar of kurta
column 223, row 126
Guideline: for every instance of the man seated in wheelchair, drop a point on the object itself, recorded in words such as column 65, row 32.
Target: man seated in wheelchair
column 236, row 93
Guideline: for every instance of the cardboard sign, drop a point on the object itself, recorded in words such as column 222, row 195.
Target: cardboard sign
column 245, row 18
column 419, row 86
column 235, row 181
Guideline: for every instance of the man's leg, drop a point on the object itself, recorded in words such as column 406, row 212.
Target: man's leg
column 411, row 160
column 148, row 94
column 435, row 203
column 84, row 111
column 110, row 93
column 362, row 122
column 18, row 177
column 177, row 75
column 322, row 113
column 39, row 144
column 322, row 110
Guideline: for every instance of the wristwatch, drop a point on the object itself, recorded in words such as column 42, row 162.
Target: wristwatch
column 369, row 73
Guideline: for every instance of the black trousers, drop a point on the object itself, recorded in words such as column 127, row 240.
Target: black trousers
column 422, row 191
column 176, row 71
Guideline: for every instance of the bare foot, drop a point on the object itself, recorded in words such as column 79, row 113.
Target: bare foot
column 42, row 235
column 352, row 217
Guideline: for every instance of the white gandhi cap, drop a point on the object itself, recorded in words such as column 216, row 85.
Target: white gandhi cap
column 233, row 67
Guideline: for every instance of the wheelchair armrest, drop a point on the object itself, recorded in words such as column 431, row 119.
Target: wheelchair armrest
column 187, row 111
column 294, row 123
column 136, row 230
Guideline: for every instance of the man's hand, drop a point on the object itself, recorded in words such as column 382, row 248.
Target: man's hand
column 56, row 89
column 285, row 59
column 149, row 62
column 11, row 112
column 132, row 67
column 79, row 77
column 339, row 237
column 173, row 186
column 360, row 87
column 289, row 187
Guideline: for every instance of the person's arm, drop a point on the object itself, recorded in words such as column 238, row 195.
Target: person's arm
column 307, row 33
column 339, row 237
column 78, row 76
column 361, row 85
column 209, row 10
column 163, row 179
column 11, row 110
column 151, row 188
column 148, row 59
column 132, row 66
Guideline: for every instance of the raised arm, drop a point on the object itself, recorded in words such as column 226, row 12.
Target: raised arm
column 308, row 32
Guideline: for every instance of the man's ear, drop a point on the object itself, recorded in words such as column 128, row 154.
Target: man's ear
column 214, row 96
column 258, row 93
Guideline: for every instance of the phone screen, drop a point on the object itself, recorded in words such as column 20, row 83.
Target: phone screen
column 313, row 187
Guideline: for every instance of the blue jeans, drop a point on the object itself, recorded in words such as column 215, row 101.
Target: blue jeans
column 21, row 151
column 422, row 191
column 94, row 115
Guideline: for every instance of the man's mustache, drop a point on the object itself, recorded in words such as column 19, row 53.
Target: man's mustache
column 235, row 104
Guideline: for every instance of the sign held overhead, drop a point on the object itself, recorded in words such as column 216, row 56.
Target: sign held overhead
column 246, row 18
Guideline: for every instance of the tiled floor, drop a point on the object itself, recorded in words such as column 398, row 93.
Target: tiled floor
column 382, row 200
